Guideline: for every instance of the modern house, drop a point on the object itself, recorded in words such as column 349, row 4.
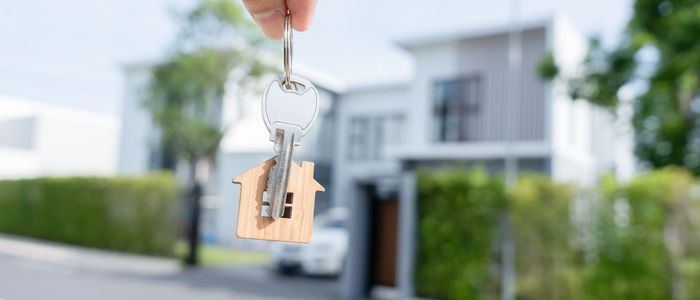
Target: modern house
column 457, row 111
column 464, row 105
column 42, row 139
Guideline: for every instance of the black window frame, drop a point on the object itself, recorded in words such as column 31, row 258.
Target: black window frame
column 468, row 104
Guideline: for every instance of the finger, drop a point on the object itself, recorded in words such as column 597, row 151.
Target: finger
column 302, row 12
column 269, row 15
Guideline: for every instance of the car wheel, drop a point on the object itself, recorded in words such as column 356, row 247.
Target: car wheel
column 287, row 270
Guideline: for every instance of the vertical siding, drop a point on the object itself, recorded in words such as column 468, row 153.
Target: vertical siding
column 488, row 57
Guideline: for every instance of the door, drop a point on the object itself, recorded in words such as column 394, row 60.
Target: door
column 384, row 244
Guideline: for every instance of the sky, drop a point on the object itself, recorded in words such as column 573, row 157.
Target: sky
column 72, row 52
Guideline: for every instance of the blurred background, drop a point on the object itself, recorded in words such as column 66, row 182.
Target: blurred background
column 515, row 149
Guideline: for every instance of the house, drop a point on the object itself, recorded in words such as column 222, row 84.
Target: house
column 464, row 105
column 457, row 111
column 42, row 139
column 295, row 225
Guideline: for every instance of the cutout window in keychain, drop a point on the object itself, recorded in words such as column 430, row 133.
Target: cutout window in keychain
column 278, row 196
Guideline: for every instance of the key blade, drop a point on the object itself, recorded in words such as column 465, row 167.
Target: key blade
column 279, row 173
column 271, row 176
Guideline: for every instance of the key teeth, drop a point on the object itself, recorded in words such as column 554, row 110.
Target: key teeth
column 270, row 177
column 279, row 174
column 273, row 171
column 270, row 186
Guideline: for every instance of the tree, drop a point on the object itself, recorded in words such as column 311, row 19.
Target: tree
column 659, row 55
column 186, row 91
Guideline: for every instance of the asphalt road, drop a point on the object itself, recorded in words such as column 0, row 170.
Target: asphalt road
column 28, row 280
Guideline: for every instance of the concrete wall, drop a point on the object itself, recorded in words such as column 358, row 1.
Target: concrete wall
column 370, row 104
column 584, row 137
column 432, row 62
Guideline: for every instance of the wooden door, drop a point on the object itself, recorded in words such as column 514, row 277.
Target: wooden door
column 385, row 233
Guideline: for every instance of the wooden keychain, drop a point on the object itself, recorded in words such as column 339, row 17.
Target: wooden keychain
column 277, row 196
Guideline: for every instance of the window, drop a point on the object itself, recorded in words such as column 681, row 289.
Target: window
column 457, row 103
column 18, row 133
column 388, row 131
column 358, row 142
column 370, row 135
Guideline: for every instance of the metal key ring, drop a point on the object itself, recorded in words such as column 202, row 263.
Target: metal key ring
column 288, row 51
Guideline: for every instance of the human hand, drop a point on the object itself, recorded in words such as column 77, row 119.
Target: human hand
column 269, row 14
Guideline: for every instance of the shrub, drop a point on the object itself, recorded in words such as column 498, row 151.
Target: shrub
column 458, row 217
column 546, row 259
column 136, row 215
column 644, row 239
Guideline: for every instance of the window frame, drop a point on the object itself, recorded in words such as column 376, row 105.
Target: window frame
column 468, row 105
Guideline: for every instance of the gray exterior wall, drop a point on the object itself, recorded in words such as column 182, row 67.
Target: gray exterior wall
column 487, row 57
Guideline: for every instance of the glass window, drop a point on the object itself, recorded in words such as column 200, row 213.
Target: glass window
column 369, row 136
column 457, row 101
column 388, row 132
column 17, row 133
column 358, row 140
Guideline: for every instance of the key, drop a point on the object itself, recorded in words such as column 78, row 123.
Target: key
column 289, row 112
column 289, row 109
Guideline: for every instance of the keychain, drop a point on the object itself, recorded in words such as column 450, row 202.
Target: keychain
column 277, row 196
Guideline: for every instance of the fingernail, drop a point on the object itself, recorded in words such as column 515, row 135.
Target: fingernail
column 271, row 22
column 267, row 16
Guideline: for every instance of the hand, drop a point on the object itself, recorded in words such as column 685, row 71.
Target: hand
column 269, row 14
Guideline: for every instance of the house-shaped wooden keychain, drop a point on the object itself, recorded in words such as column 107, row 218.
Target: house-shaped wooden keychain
column 297, row 220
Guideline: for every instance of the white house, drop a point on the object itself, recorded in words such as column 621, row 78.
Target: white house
column 455, row 111
column 41, row 139
column 368, row 142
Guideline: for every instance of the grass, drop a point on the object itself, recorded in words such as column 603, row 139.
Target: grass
column 223, row 256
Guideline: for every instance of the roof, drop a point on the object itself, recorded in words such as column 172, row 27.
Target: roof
column 319, row 78
column 472, row 32
column 13, row 108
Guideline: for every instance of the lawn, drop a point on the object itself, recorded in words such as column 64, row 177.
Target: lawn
column 224, row 256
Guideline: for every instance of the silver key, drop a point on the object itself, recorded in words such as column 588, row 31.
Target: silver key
column 289, row 113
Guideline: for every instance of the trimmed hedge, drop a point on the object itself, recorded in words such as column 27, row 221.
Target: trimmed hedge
column 458, row 216
column 647, row 239
column 639, row 240
column 137, row 215
column 547, row 262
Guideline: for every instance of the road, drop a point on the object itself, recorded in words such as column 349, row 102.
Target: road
column 29, row 280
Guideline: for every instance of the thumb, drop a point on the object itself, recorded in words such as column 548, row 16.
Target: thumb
column 269, row 15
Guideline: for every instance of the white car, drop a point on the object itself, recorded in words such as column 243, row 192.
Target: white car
column 324, row 255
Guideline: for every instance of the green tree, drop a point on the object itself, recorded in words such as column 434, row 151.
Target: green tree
column 186, row 90
column 659, row 52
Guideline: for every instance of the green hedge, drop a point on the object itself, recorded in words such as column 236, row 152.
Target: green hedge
column 137, row 215
column 547, row 262
column 458, row 212
column 647, row 239
column 636, row 240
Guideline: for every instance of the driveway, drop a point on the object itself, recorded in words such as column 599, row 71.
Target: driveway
column 31, row 269
column 20, row 280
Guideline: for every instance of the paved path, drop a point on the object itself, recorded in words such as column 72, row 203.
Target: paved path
column 80, row 258
column 24, row 280
column 24, row 277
